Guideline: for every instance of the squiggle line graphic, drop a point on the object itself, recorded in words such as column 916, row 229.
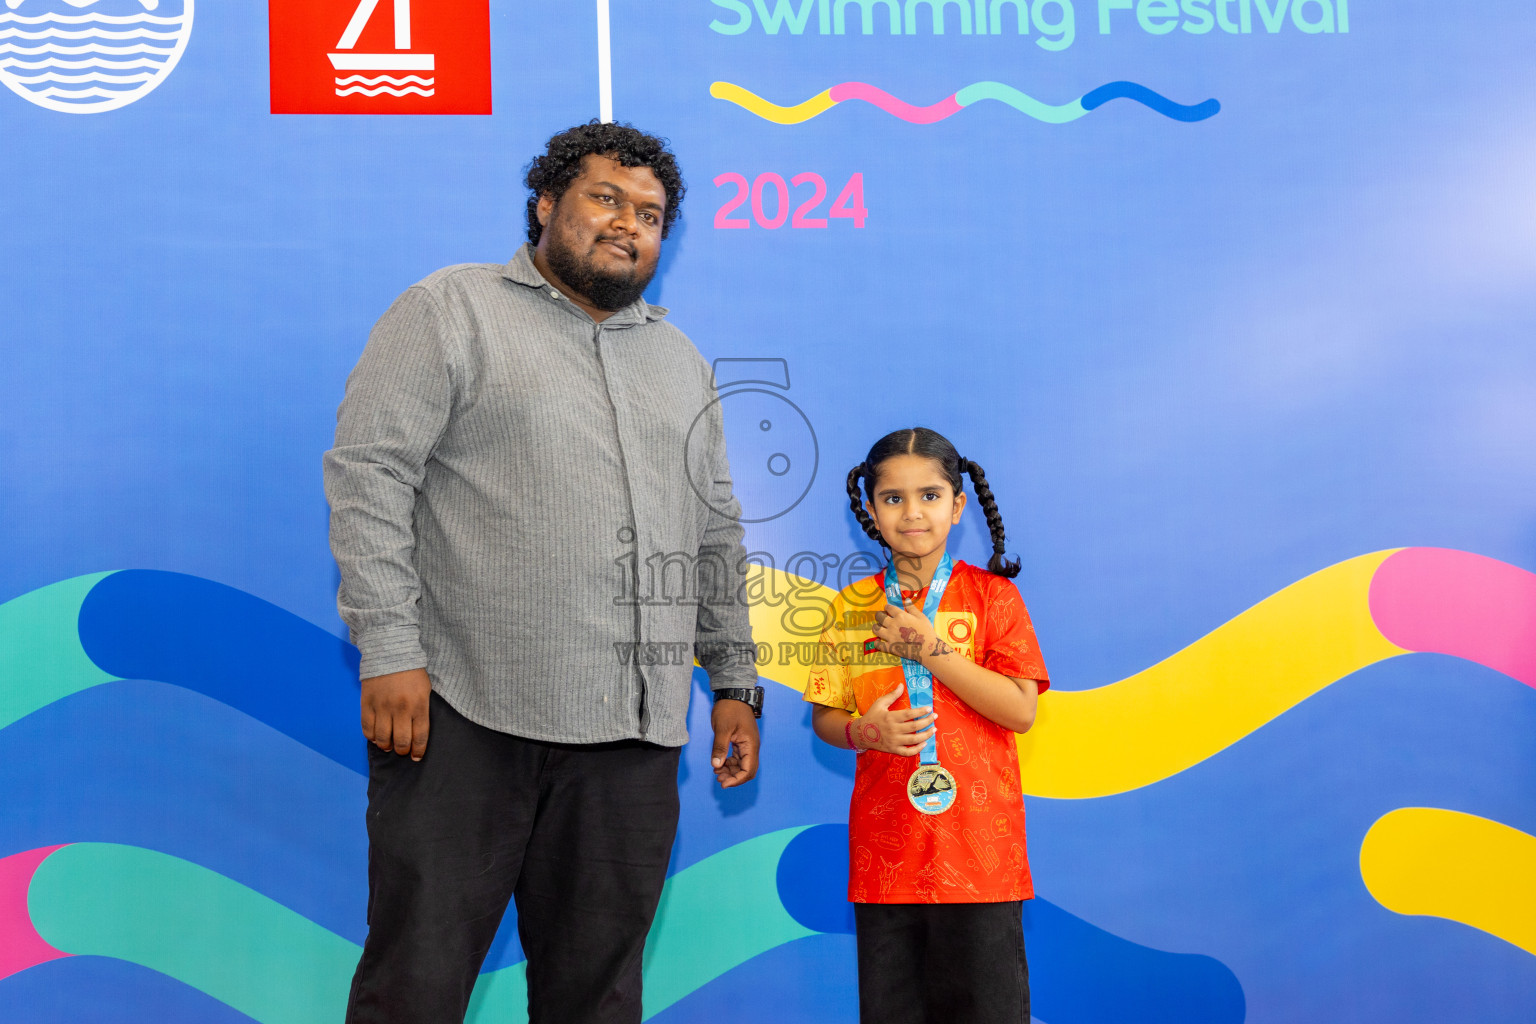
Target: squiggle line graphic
column 50, row 76
column 31, row 51
column 59, row 33
column 94, row 92
column 386, row 78
column 84, row 19
column 1022, row 102
column 358, row 90
column 54, row 62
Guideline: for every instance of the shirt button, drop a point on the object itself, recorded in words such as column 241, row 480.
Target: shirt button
column 554, row 293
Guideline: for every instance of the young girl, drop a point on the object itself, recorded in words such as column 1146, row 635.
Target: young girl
column 934, row 668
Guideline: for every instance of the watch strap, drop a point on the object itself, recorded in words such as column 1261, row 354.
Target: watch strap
column 751, row 696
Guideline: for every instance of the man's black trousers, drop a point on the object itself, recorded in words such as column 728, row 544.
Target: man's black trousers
column 579, row 835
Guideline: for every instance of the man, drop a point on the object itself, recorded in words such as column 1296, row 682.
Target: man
column 514, row 442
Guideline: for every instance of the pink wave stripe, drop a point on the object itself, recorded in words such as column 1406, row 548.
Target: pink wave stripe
column 20, row 945
column 891, row 105
column 1451, row 602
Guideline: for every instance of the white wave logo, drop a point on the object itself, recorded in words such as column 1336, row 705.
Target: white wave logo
column 90, row 62
column 357, row 85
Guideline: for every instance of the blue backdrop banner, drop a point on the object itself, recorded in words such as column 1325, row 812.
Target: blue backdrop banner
column 1233, row 299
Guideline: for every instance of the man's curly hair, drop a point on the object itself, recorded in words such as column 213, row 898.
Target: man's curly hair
column 552, row 173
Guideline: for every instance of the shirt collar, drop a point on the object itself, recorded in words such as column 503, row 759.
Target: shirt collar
column 521, row 270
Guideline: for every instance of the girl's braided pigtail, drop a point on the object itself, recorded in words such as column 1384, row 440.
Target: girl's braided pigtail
column 998, row 563
column 856, row 502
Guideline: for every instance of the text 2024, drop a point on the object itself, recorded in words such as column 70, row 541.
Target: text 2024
column 770, row 192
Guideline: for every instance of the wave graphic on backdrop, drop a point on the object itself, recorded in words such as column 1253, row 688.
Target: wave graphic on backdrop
column 194, row 633
column 153, row 908
column 1080, row 974
column 91, row 62
column 1006, row 94
column 182, row 920
column 1461, row 867
column 172, row 628
column 1288, row 647
column 67, row 643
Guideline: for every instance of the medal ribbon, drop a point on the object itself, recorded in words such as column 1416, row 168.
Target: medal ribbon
column 919, row 679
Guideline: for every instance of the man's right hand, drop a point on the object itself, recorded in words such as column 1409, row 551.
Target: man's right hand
column 395, row 711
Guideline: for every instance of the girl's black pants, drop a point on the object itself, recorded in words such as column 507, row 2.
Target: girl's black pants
column 942, row 963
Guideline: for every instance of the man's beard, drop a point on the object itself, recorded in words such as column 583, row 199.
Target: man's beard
column 607, row 291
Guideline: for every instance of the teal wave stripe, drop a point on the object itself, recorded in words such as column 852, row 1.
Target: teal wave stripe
column 716, row 915
column 278, row 967
column 41, row 660
column 195, row 925
column 500, row 997
column 1020, row 101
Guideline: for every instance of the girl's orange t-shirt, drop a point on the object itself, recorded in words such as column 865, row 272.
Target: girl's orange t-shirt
column 976, row 851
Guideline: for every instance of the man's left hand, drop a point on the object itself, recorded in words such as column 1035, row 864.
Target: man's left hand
column 735, row 754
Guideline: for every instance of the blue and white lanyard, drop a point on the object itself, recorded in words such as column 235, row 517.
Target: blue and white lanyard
column 919, row 679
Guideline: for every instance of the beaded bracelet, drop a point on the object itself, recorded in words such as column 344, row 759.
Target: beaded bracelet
column 848, row 733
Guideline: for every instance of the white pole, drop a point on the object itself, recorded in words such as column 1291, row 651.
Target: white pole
column 604, row 65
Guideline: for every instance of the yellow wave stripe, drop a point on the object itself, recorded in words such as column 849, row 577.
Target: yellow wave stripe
column 1437, row 863
column 1198, row 702
column 787, row 614
column 818, row 104
column 1160, row 721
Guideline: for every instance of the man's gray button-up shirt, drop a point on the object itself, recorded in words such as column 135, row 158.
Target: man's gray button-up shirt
column 506, row 477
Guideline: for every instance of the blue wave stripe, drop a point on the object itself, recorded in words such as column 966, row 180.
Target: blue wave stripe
column 235, row 648
column 1080, row 974
column 1146, row 97
column 151, row 765
column 155, row 766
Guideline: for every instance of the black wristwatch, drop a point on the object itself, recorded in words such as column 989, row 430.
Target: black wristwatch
column 753, row 698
